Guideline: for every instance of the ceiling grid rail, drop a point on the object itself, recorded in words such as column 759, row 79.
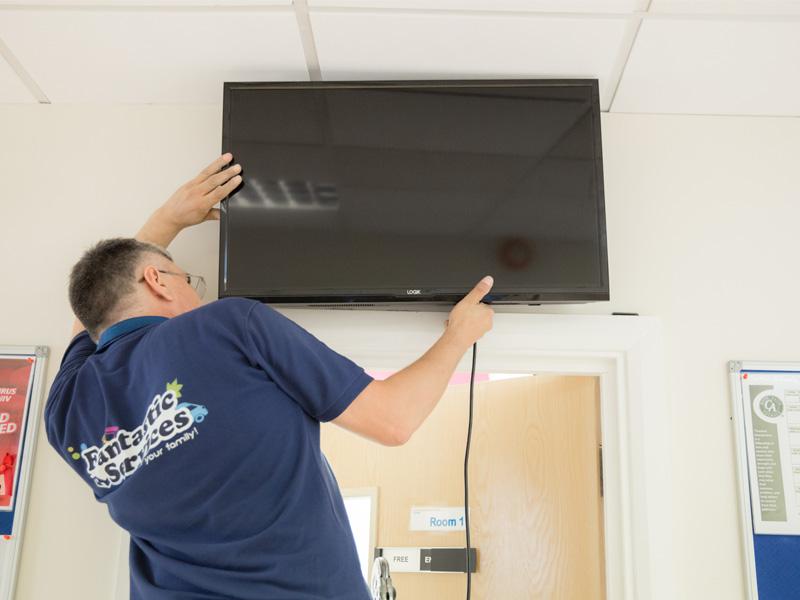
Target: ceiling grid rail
column 307, row 39
column 27, row 80
column 625, row 52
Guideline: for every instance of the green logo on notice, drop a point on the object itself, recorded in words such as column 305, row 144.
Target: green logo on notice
column 771, row 406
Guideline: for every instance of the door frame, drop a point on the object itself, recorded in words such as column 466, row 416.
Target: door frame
column 624, row 352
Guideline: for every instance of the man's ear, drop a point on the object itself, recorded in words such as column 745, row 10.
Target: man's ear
column 154, row 281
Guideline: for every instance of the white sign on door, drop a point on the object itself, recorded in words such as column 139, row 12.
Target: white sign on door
column 437, row 518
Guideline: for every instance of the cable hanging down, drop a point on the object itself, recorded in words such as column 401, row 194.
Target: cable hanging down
column 466, row 471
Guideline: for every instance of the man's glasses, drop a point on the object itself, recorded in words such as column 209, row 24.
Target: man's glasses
column 196, row 281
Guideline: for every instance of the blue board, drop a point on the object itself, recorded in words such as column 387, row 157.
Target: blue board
column 777, row 566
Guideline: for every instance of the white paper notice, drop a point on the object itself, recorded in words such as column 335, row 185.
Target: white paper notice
column 772, row 430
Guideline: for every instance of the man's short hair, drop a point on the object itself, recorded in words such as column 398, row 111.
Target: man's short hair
column 103, row 277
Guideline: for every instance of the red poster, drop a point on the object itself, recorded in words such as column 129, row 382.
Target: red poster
column 15, row 378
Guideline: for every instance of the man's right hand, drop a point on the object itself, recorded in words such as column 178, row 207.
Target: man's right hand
column 389, row 411
column 470, row 319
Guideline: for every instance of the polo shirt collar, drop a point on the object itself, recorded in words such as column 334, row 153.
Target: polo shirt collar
column 117, row 330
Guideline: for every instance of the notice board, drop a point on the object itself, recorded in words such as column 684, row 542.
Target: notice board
column 22, row 370
column 766, row 419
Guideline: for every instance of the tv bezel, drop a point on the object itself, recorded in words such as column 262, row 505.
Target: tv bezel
column 426, row 297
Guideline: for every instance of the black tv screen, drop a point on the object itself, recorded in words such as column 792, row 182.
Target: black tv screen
column 396, row 193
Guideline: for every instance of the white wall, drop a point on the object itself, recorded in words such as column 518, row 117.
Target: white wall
column 702, row 226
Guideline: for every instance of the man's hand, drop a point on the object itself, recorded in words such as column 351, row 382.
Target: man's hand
column 389, row 411
column 470, row 318
column 192, row 203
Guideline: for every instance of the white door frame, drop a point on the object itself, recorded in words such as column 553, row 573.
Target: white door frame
column 624, row 352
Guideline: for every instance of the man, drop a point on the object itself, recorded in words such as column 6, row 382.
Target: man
column 198, row 426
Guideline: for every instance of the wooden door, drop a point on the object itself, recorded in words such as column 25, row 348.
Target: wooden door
column 535, row 506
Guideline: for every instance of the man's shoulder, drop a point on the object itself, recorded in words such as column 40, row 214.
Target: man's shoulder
column 229, row 314
column 226, row 306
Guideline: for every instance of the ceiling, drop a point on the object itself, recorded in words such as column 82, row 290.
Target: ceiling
column 724, row 57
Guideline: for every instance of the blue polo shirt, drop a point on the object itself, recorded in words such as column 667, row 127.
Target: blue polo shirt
column 201, row 435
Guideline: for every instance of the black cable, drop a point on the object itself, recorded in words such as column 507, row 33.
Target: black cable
column 466, row 470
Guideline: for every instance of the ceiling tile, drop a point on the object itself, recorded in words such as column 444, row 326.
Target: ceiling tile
column 354, row 45
column 727, row 7
column 148, row 3
column 12, row 90
column 159, row 56
column 560, row 6
column 713, row 67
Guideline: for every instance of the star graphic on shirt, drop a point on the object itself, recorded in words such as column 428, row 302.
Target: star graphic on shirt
column 175, row 387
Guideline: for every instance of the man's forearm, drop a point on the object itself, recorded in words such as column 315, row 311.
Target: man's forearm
column 158, row 230
column 191, row 204
column 415, row 391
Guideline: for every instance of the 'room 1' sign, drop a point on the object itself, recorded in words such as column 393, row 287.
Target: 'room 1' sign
column 437, row 518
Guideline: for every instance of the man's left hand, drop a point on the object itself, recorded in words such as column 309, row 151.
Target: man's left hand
column 192, row 203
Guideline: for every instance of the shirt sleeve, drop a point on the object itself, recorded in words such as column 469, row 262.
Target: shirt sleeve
column 79, row 350
column 320, row 380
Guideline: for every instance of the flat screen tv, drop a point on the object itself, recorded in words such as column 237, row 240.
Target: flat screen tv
column 397, row 194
